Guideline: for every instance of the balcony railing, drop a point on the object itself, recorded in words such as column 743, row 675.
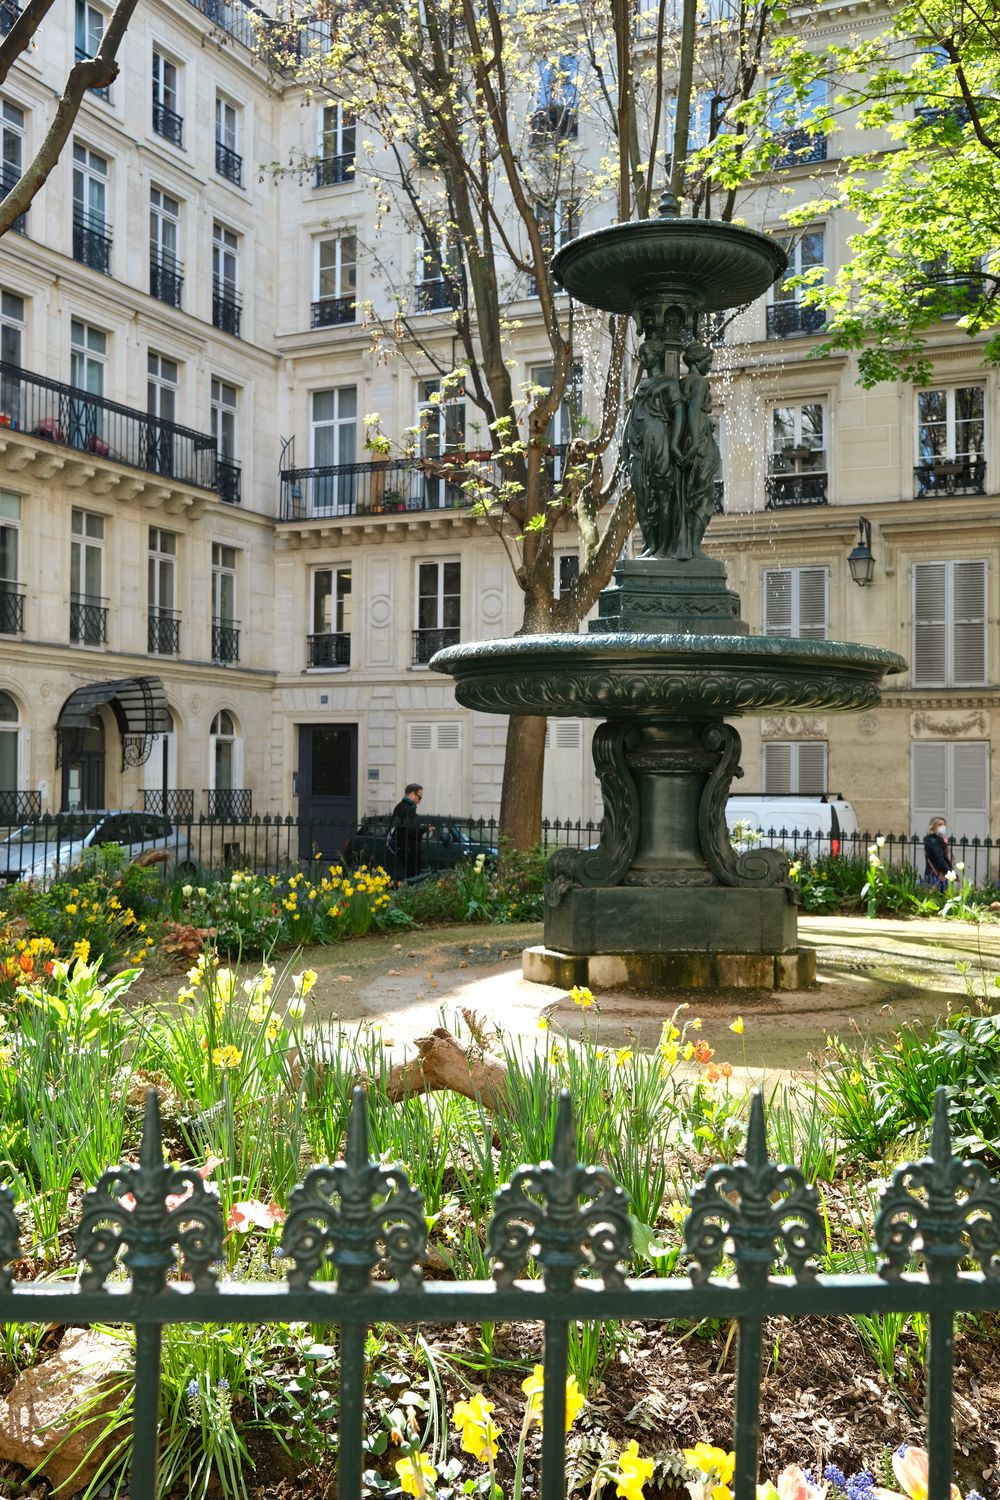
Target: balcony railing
column 174, row 802
column 427, row 642
column 226, row 308
column 435, row 296
column 931, row 114
column 225, row 641
column 960, row 476
column 229, row 480
column 11, row 608
column 163, row 632
column 88, row 620
column 9, row 178
column 329, row 311
column 73, row 418
column 229, row 163
column 802, row 149
column 329, row 650
column 785, row 320
column 391, row 487
column 168, row 123
column 552, row 123
column 9, row 12
column 82, row 56
column 19, row 807
column 233, row 804
column 166, row 278
column 785, row 491
column 91, row 241
column 333, row 169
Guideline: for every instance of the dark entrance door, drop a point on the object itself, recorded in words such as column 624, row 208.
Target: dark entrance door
column 83, row 769
column 328, row 788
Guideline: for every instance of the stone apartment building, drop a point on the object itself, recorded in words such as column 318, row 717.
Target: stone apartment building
column 209, row 593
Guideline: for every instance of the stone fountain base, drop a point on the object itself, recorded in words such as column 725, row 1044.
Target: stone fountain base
column 671, row 971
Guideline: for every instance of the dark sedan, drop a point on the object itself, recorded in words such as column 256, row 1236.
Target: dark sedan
column 444, row 843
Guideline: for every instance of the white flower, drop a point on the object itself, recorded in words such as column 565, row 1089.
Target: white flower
column 951, row 877
column 880, row 841
column 202, row 891
column 187, row 891
column 296, row 1008
column 960, row 865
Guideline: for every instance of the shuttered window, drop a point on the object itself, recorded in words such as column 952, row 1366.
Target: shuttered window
column 949, row 624
column 445, row 734
column 563, row 734
column 795, row 767
column 951, row 779
column 796, row 602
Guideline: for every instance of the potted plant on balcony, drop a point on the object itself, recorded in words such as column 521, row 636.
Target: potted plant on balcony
column 392, row 500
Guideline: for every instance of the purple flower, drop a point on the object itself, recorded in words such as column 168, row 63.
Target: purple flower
column 860, row 1486
column 194, row 1390
column 835, row 1476
column 222, row 1384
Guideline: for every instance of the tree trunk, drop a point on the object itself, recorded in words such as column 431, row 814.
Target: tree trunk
column 443, row 1062
column 523, row 767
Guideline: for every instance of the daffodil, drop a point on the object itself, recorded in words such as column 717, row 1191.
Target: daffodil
column 227, row 1057
column 304, row 982
column 480, row 1434
column 415, row 1474
column 533, row 1387
column 737, row 1026
column 631, row 1472
column 715, row 1470
column 580, row 995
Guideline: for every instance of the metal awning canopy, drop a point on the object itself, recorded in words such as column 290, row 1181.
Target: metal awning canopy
column 139, row 705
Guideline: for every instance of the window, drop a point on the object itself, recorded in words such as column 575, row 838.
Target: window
column 330, row 638
column 555, row 114
column 795, row 766
column 167, row 120
column 165, row 272
column 89, row 35
column 559, row 223
column 796, row 602
column 88, row 353
column 788, row 118
column 228, row 162
column 12, row 155
column 949, row 624
column 438, row 612
column 785, row 317
column 334, row 436
column 566, row 419
column 951, row 779
column 441, row 420
column 163, row 621
column 336, row 281
column 950, row 423
column 91, row 231
column 797, row 459
column 225, row 755
column 437, row 272
column 337, row 146
column 11, row 596
column 565, row 572
column 162, row 377
column 225, row 626
column 226, row 299
column 10, row 735
column 11, row 354
column 88, row 614
column 225, row 399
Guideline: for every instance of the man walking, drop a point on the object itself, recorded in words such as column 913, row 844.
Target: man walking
column 406, row 833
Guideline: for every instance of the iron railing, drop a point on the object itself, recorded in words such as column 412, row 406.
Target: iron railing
column 329, row 650
column 9, row 12
column 229, row 480
column 88, row 620
column 9, row 178
column 229, row 163
column 11, row 608
column 720, row 490
column 242, row 21
column 18, row 807
column 427, row 642
column 796, row 478
column 388, row 487
column 174, row 802
column 168, row 123
column 960, row 476
column 787, row 319
column 92, row 241
column 166, row 279
column 435, row 296
column 557, row 1245
column 327, row 312
column 225, row 641
column 802, row 149
column 233, row 804
column 227, row 308
column 163, row 632
column 331, row 170
column 74, row 418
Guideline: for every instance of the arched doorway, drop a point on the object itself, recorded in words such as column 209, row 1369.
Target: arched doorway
column 138, row 707
column 83, row 767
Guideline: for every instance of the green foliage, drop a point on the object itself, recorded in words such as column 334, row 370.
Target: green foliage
column 255, row 914
column 477, row 891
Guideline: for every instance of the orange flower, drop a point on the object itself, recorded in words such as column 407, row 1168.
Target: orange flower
column 712, row 1075
column 26, row 962
column 726, row 1070
column 703, row 1053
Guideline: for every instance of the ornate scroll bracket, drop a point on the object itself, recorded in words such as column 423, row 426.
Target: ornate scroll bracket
column 170, row 1210
column 606, row 865
column 741, row 1204
column 539, row 1214
column 10, row 1236
column 349, row 1237
column 754, row 868
column 943, row 1209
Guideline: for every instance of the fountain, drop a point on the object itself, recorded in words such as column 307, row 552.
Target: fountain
column 664, row 899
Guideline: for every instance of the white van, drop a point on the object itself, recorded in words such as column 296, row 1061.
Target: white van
column 825, row 825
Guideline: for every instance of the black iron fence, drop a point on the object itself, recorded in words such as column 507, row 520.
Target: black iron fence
column 163, row 636
column 331, row 170
column 92, row 241
column 10, row 175
column 166, row 279
column 225, row 641
column 331, row 649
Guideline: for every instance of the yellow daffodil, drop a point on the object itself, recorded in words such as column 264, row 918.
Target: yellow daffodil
column 227, row 1057
column 631, row 1472
column 580, row 995
column 533, row 1387
column 415, row 1474
column 715, row 1467
column 737, row 1026
column 304, row 982
column 480, row 1434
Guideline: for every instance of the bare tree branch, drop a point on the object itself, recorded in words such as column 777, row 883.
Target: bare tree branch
column 21, row 34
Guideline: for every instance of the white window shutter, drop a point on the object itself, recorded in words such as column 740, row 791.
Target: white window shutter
column 777, row 768
column 420, row 737
column 778, row 602
column 970, row 776
column 211, row 762
column 969, row 582
column 929, row 657
column 928, row 782
column 568, row 734
column 23, row 759
column 238, row 780
column 811, row 775
column 548, row 733
column 449, row 735
column 813, row 612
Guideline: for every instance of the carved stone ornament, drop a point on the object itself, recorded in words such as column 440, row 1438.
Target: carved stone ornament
column 607, row 864
column 949, row 726
column 755, row 867
column 378, row 1207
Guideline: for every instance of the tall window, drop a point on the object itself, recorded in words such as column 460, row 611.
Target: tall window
column 12, row 354
column 796, row 766
column 439, row 609
column 951, row 423
column 9, row 745
column 11, row 598
column 441, row 419
column 165, row 273
column 785, row 317
column 225, row 398
column 330, row 639
column 164, row 625
column 951, row 779
column 225, row 770
column 228, row 161
column 162, row 378
column 88, row 612
column 91, row 231
column 566, row 418
column 88, row 354
column 12, row 155
column 949, row 624
column 797, row 472
column 89, row 35
column 555, row 114
column 558, row 220
column 167, row 119
column 565, row 572
column 225, row 626
column 788, row 118
column 796, row 602
column 337, row 146
column 334, row 436
column 336, row 281
column 437, row 270
column 226, row 310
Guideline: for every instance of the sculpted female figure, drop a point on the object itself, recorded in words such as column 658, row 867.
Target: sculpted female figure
column 652, row 444
column 701, row 451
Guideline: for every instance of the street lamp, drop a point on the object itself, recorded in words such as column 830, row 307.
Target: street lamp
column 860, row 561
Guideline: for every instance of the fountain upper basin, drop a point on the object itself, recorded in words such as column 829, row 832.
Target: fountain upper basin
column 649, row 676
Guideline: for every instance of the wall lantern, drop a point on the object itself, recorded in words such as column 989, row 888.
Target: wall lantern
column 860, row 561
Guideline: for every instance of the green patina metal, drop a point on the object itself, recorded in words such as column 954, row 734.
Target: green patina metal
column 558, row 1240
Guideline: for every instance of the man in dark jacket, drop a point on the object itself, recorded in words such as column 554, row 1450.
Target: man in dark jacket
column 406, row 832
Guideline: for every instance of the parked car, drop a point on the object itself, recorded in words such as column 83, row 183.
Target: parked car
column 824, row 824
column 445, row 842
column 45, row 847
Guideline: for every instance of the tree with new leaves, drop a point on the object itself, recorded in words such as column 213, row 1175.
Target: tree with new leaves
column 493, row 129
column 87, row 73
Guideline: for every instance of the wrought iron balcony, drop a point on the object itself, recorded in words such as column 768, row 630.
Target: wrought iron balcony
column 225, row 642
column 786, row 490
column 802, row 149
column 946, row 476
column 329, row 311
column 19, row 807
column 229, row 164
column 427, row 642
column 173, row 802
column 9, row 12
column 332, row 650
column 69, row 417
column 787, row 320
column 83, row 56
column 720, row 509
column 234, row 17
column 11, row 608
column 231, row 804
column 552, row 123
column 229, row 480
column 435, row 296
column 932, row 114
column 164, row 632
column 226, row 308
column 388, row 488
column 91, row 241
column 168, row 123
column 331, row 170
column 88, row 620
column 166, row 278
column 9, row 178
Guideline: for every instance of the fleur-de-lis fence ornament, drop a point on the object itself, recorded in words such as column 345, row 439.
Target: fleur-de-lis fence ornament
column 10, row 1236
column 942, row 1208
column 766, row 1211
column 154, row 1210
column 348, row 1237
column 539, row 1214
